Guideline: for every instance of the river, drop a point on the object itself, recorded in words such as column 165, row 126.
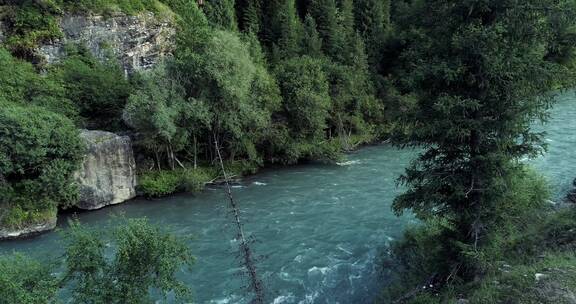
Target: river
column 318, row 227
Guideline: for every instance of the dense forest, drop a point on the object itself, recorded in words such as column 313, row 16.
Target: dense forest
column 286, row 81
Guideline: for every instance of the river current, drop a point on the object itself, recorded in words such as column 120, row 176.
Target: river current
column 318, row 228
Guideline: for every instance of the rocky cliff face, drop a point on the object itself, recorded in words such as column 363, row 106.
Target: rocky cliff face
column 108, row 173
column 138, row 42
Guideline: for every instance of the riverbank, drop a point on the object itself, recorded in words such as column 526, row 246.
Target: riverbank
column 193, row 179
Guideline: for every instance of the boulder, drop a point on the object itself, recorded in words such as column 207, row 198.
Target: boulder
column 108, row 173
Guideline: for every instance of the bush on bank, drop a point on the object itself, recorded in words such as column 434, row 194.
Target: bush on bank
column 39, row 152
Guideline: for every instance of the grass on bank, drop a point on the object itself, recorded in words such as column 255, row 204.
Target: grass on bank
column 159, row 183
column 15, row 217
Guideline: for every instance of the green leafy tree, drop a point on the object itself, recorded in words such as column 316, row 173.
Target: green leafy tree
column 373, row 23
column 39, row 152
column 561, row 48
column 236, row 88
column 20, row 83
column 250, row 15
column 304, row 88
column 188, row 14
column 355, row 109
column 288, row 30
column 26, row 281
column 165, row 119
column 480, row 73
column 325, row 12
column 145, row 258
column 98, row 89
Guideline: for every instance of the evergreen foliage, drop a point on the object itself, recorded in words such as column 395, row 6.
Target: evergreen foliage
column 325, row 13
column 481, row 74
column 98, row 90
column 221, row 14
column 281, row 81
column 306, row 98
column 311, row 42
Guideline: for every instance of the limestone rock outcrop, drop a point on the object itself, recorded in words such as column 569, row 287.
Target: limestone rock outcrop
column 108, row 173
column 138, row 42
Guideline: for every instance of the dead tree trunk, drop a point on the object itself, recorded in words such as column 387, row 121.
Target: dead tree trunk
column 246, row 255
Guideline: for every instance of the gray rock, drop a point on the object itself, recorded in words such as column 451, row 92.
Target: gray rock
column 108, row 173
column 28, row 230
column 138, row 42
column 540, row 276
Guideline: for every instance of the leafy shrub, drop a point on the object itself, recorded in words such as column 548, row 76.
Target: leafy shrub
column 99, row 90
column 108, row 6
column 20, row 83
column 194, row 180
column 31, row 24
column 304, row 88
column 39, row 152
column 23, row 280
column 159, row 183
column 15, row 216
column 145, row 257
column 519, row 284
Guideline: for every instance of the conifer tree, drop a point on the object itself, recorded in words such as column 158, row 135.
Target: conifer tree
column 480, row 72
column 325, row 14
column 252, row 16
column 346, row 33
column 311, row 42
column 373, row 21
column 221, row 13
column 289, row 29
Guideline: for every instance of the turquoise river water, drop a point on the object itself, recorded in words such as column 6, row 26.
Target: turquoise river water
column 319, row 228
